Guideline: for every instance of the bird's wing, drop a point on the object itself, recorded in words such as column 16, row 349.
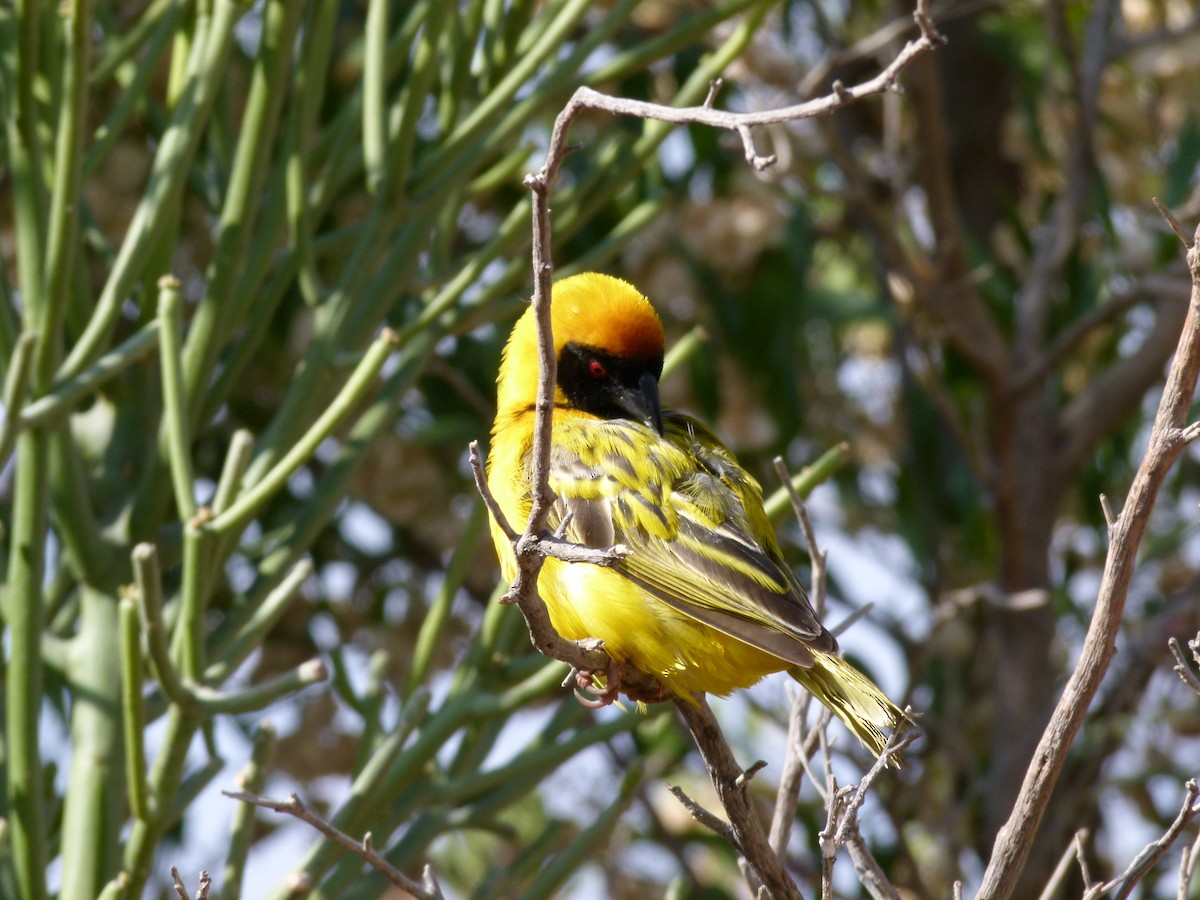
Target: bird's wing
column 694, row 521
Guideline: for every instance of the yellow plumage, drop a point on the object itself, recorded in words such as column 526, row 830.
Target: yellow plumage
column 705, row 602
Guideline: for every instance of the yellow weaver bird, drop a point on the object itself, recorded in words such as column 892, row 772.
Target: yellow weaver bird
column 705, row 602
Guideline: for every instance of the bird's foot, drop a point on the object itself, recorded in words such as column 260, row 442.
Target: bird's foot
column 587, row 681
column 612, row 682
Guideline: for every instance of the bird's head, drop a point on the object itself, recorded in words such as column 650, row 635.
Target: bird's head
column 609, row 345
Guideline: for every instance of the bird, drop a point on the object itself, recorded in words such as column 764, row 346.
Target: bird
column 702, row 599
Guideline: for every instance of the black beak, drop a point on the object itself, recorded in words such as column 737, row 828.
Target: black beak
column 641, row 402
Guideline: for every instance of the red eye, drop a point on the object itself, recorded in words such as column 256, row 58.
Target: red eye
column 596, row 369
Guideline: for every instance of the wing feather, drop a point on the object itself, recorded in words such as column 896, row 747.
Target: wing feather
column 694, row 520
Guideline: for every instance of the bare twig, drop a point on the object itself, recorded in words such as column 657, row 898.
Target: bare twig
column 1110, row 517
column 748, row 836
column 177, row 883
column 795, row 763
column 896, row 743
column 869, row 872
column 485, row 492
column 817, row 589
column 1064, row 866
column 1182, row 667
column 1124, row 883
column 841, row 829
column 1165, row 445
column 1187, row 869
column 1081, row 856
column 709, row 820
column 429, row 890
column 202, row 888
column 1166, row 213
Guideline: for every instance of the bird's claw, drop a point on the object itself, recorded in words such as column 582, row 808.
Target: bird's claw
column 585, row 683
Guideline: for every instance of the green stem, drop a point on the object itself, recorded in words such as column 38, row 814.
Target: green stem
column 16, row 388
column 241, row 447
column 206, row 69
column 258, row 696
column 251, row 502
column 161, row 18
column 217, row 315
column 54, row 407
column 779, row 503
column 430, row 636
column 95, row 795
column 232, row 652
column 374, row 80
column 685, row 348
column 165, row 779
column 552, row 876
column 150, row 605
column 251, row 778
column 319, row 32
column 30, row 513
column 178, row 429
column 23, row 675
column 25, row 157
column 134, row 707
column 65, row 194
column 187, row 641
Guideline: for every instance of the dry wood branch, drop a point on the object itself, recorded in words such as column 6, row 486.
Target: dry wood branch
column 1061, row 870
column 800, row 747
column 709, row 820
column 202, row 889
column 427, row 890
column 1073, row 335
column 1124, row 883
column 1055, row 238
column 1182, row 668
column 748, row 835
column 1187, row 869
column 817, row 589
column 1166, row 444
column 869, row 871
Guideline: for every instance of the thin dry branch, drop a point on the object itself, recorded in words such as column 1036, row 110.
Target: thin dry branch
column 427, row 890
column 1167, row 442
column 748, row 836
column 708, row 819
column 1063, row 868
column 816, row 554
column 1187, row 869
column 1124, row 883
column 202, row 889
column 1182, row 668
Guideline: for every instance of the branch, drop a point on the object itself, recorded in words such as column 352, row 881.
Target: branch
column 1073, row 335
column 742, row 123
column 1108, row 399
column 816, row 554
column 201, row 890
column 1165, row 446
column 1152, row 852
column 428, row 889
column 1181, row 664
column 1061, row 870
column 748, row 836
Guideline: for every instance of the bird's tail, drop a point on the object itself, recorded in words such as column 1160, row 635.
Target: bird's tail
column 853, row 697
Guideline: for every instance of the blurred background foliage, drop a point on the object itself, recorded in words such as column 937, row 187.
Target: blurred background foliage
column 965, row 282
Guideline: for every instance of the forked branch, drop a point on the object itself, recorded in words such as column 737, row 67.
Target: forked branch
column 1168, row 439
